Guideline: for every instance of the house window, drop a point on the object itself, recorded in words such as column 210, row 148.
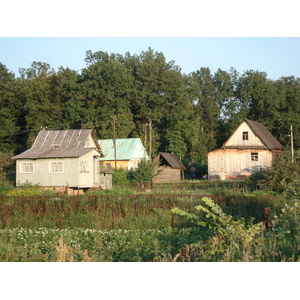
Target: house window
column 56, row 166
column 87, row 143
column 26, row 167
column 84, row 167
column 245, row 136
column 254, row 156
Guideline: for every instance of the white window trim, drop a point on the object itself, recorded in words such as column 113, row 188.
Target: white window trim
column 50, row 171
column 24, row 172
column 84, row 167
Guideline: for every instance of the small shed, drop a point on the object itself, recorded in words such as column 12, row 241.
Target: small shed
column 250, row 148
column 129, row 152
column 64, row 160
column 168, row 168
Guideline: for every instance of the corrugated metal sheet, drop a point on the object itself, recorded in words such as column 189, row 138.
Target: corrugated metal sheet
column 126, row 149
column 59, row 144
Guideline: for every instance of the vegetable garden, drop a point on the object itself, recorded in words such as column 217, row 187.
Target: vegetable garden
column 197, row 221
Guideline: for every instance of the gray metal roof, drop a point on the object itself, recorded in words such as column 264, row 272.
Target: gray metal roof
column 59, row 144
column 172, row 160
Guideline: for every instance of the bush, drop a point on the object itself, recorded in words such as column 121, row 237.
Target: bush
column 5, row 187
column 282, row 177
column 144, row 172
column 29, row 189
column 120, row 176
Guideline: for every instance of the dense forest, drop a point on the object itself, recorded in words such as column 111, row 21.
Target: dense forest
column 189, row 114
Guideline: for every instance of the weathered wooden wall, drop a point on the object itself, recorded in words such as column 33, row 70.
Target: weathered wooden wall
column 237, row 138
column 166, row 174
column 226, row 164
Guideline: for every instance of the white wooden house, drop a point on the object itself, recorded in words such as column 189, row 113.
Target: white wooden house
column 250, row 148
column 63, row 159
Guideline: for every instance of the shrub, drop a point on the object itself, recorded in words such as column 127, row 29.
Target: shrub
column 5, row 187
column 282, row 177
column 144, row 172
column 29, row 189
column 120, row 176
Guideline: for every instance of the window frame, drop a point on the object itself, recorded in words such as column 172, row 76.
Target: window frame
column 26, row 163
column 254, row 156
column 56, row 162
column 245, row 135
column 84, row 167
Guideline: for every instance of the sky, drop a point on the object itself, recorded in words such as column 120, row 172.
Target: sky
column 277, row 56
column 263, row 36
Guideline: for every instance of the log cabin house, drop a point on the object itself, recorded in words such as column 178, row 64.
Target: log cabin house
column 250, row 148
column 64, row 160
column 168, row 168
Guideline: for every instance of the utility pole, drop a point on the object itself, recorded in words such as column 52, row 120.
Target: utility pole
column 115, row 146
column 292, row 143
column 145, row 141
column 150, row 139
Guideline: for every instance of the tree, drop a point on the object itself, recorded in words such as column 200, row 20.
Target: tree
column 107, row 84
column 206, row 106
column 144, row 172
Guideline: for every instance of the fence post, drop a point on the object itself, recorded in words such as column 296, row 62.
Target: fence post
column 60, row 217
column 172, row 220
column 112, row 216
column 266, row 217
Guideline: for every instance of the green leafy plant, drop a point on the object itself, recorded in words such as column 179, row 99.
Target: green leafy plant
column 282, row 177
column 144, row 172
column 120, row 176
column 29, row 189
column 231, row 240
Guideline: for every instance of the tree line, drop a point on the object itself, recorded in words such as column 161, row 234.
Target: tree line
column 189, row 114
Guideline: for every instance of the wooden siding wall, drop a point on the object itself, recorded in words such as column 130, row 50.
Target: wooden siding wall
column 43, row 177
column 166, row 174
column 106, row 181
column 71, row 175
column 237, row 138
column 236, row 164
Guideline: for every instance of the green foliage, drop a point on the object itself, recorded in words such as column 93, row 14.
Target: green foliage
column 282, row 177
column 191, row 114
column 28, row 189
column 227, row 233
column 120, row 176
column 144, row 173
column 137, row 228
column 5, row 187
column 37, row 245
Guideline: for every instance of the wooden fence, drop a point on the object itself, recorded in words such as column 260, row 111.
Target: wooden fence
column 112, row 210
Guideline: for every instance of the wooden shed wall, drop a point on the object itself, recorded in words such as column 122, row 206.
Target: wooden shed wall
column 166, row 175
column 236, row 164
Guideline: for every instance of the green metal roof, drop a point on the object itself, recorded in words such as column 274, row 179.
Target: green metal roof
column 127, row 149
